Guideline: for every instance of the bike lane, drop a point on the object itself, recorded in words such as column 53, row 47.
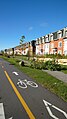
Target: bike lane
column 38, row 99
column 11, row 105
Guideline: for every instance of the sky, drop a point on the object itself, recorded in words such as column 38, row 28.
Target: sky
column 31, row 18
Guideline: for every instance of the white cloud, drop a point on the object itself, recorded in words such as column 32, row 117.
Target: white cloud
column 44, row 24
column 30, row 28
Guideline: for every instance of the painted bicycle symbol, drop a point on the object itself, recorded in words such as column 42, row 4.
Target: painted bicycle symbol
column 24, row 83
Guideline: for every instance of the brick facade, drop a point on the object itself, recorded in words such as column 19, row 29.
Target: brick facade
column 54, row 43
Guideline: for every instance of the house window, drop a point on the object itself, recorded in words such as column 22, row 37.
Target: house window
column 51, row 37
column 46, row 38
column 65, row 52
column 37, row 42
column 59, row 35
column 46, row 53
column 42, row 50
column 65, row 33
column 62, row 33
column 46, row 45
column 43, row 39
column 40, row 40
column 60, row 44
column 60, row 52
column 55, row 35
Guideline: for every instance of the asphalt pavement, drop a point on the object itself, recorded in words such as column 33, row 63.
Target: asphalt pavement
column 23, row 98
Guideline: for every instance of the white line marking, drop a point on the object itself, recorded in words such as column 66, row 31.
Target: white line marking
column 49, row 111
column 24, row 83
column 2, row 115
column 2, row 66
column 15, row 73
column 11, row 118
column 65, row 114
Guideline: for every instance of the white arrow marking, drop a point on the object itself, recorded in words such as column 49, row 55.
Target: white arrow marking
column 2, row 115
column 49, row 111
column 15, row 73
column 11, row 118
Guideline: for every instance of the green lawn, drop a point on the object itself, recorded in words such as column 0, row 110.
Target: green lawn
column 64, row 69
column 46, row 80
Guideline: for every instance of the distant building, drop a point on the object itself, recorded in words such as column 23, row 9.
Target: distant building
column 8, row 51
column 18, row 50
column 24, row 49
column 54, row 43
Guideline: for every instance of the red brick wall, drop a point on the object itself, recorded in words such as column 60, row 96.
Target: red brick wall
column 56, row 45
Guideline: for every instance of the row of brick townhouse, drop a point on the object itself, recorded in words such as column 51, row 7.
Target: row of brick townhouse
column 53, row 43
column 21, row 49
column 24, row 49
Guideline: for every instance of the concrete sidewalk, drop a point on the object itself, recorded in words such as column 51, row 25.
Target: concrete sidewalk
column 58, row 74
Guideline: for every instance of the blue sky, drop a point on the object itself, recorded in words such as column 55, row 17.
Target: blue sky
column 31, row 18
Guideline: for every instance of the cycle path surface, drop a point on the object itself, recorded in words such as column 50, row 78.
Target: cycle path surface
column 58, row 74
column 28, row 103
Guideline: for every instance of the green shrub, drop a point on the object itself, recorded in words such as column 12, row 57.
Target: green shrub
column 49, row 65
column 52, row 65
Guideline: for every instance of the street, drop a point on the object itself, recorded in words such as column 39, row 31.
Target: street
column 23, row 98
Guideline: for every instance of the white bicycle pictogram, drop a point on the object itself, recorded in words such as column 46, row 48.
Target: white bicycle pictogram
column 24, row 83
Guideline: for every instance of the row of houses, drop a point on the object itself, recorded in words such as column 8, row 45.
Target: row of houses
column 28, row 48
column 53, row 43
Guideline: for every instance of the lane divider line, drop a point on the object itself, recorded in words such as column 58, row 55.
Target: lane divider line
column 28, row 111
column 2, row 66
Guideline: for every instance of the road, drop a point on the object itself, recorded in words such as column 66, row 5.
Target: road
column 23, row 98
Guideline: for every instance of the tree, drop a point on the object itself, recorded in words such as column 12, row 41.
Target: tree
column 22, row 40
column 13, row 51
column 1, row 52
column 28, row 51
column 6, row 51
